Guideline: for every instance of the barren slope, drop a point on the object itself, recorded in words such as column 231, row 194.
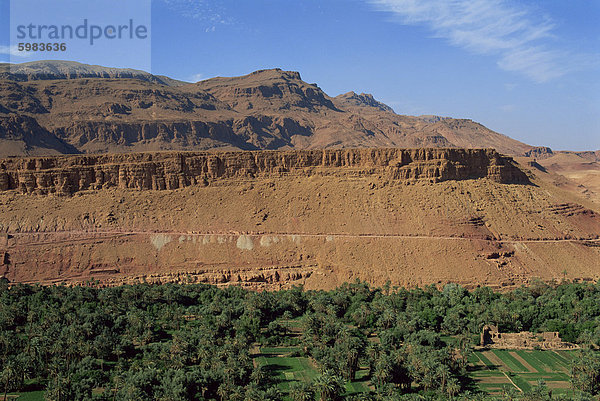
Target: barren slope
column 283, row 218
column 578, row 172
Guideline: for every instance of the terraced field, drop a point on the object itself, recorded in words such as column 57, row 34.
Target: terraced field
column 496, row 370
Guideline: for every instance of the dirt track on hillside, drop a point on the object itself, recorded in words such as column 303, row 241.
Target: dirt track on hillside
column 306, row 235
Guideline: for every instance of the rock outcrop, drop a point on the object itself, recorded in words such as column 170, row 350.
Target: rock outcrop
column 353, row 99
column 539, row 152
column 163, row 171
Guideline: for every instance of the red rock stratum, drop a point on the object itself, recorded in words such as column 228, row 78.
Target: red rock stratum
column 160, row 171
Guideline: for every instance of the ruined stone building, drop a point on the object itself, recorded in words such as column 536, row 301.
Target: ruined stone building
column 491, row 337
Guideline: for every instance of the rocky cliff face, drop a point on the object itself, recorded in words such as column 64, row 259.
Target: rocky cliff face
column 34, row 137
column 161, row 171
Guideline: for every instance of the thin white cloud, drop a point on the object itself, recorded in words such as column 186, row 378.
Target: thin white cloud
column 197, row 77
column 206, row 11
column 519, row 37
column 13, row 51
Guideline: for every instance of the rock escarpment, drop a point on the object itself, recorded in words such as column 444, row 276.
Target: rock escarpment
column 163, row 171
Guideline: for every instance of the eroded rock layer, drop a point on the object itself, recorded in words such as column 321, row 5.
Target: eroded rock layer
column 167, row 171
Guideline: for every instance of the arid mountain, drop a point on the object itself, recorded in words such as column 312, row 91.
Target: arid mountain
column 92, row 109
column 297, row 209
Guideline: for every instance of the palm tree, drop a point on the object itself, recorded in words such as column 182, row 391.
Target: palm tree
column 329, row 386
column 452, row 388
column 382, row 372
column 400, row 372
column 387, row 319
column 11, row 375
column 258, row 375
column 8, row 373
column 300, row 391
column 224, row 391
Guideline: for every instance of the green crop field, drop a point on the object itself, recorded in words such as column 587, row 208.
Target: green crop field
column 496, row 370
column 28, row 396
column 287, row 369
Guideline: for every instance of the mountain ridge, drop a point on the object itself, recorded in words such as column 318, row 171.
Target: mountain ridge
column 50, row 69
column 94, row 109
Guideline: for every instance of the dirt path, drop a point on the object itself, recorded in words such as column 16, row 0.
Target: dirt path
column 494, row 359
column 512, row 382
column 480, row 363
column 118, row 233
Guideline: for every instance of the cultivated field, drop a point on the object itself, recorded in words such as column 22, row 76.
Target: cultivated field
column 27, row 396
column 497, row 370
column 283, row 364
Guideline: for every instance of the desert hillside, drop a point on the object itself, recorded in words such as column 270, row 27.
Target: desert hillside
column 578, row 172
column 50, row 108
column 272, row 219
column 266, row 181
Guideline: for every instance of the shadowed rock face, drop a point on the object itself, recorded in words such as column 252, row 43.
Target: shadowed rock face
column 539, row 152
column 163, row 171
column 27, row 129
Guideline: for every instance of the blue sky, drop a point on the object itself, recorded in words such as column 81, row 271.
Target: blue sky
column 528, row 69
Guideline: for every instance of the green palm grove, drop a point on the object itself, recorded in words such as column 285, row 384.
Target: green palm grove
column 198, row 342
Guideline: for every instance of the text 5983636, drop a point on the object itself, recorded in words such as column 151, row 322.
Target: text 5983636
column 42, row 47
